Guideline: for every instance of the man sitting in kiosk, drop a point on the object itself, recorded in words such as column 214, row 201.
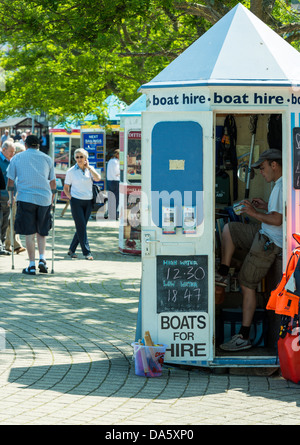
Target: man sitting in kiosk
column 262, row 241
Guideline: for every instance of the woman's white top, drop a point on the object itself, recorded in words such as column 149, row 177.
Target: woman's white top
column 81, row 182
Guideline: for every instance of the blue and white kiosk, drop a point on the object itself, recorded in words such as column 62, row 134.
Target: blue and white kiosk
column 241, row 68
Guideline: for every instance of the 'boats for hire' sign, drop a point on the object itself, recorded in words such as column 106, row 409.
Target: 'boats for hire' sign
column 185, row 333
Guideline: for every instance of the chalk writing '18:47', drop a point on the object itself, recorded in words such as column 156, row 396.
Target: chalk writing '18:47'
column 191, row 274
column 188, row 295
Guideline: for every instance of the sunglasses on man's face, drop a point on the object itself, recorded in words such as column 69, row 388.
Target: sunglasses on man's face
column 79, row 157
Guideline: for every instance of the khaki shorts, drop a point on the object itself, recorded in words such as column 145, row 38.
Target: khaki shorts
column 259, row 256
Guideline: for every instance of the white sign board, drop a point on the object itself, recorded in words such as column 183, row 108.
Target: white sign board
column 186, row 334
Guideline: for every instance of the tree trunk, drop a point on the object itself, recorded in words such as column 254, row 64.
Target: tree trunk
column 263, row 9
column 256, row 6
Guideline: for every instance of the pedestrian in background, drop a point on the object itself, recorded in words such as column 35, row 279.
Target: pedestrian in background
column 36, row 183
column 4, row 137
column 18, row 136
column 23, row 138
column 8, row 151
column 44, row 142
column 18, row 247
column 78, row 187
column 113, row 182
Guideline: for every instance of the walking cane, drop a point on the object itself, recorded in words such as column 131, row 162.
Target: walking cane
column 53, row 228
column 12, row 241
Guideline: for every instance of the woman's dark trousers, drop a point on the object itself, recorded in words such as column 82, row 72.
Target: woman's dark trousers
column 81, row 211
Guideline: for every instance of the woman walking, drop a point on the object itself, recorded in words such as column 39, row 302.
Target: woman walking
column 79, row 189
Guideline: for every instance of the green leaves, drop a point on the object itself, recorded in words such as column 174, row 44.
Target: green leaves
column 66, row 57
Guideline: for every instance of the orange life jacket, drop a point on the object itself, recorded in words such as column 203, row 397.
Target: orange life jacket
column 282, row 301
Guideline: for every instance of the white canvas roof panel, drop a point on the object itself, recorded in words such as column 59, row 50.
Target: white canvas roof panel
column 239, row 49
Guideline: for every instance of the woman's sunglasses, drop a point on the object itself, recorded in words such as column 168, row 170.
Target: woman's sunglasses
column 79, row 157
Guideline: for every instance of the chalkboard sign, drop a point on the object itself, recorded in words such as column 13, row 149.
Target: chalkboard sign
column 182, row 283
column 296, row 150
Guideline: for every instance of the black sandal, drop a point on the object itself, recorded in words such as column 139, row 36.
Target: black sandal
column 29, row 270
column 43, row 266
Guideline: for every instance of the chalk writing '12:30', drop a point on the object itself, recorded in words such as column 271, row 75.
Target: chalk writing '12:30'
column 191, row 274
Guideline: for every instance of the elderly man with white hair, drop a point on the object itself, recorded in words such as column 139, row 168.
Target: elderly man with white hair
column 17, row 243
column 4, row 137
column 8, row 151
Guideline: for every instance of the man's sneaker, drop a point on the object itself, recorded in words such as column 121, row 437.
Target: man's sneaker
column 220, row 280
column 237, row 343
column 4, row 252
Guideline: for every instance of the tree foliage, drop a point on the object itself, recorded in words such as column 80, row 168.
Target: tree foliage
column 66, row 57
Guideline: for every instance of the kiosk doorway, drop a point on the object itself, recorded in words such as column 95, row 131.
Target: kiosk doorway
column 241, row 138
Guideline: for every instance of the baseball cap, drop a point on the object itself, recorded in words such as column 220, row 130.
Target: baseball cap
column 32, row 141
column 268, row 155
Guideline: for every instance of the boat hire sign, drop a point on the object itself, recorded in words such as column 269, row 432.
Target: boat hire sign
column 205, row 98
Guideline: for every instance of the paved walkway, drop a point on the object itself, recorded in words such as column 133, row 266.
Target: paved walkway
column 68, row 356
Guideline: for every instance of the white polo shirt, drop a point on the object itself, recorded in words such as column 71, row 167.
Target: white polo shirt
column 275, row 204
column 81, row 182
column 113, row 170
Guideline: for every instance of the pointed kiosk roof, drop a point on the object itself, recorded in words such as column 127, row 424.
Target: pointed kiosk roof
column 136, row 108
column 239, row 49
